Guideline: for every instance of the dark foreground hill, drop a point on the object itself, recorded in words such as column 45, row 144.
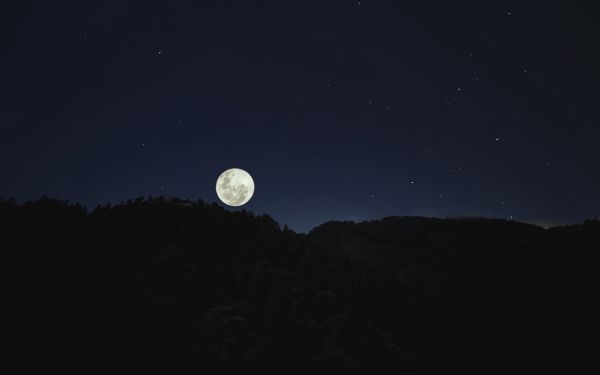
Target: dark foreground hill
column 166, row 286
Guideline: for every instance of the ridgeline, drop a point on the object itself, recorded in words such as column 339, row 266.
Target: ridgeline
column 170, row 286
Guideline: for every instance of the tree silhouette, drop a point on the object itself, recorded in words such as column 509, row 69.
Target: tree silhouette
column 165, row 285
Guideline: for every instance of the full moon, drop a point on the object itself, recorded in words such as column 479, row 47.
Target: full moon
column 235, row 187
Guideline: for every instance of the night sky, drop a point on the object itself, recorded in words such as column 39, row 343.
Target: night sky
column 345, row 110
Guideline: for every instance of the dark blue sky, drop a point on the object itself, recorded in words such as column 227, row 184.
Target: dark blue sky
column 339, row 109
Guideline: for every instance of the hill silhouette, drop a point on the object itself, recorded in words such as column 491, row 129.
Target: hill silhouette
column 171, row 286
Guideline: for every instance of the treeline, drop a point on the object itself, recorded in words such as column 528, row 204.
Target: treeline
column 174, row 286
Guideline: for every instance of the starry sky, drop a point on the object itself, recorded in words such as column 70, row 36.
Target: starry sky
column 345, row 110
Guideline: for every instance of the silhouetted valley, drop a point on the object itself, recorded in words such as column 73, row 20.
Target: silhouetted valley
column 170, row 286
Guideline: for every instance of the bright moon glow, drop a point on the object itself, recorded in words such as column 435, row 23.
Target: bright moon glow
column 235, row 187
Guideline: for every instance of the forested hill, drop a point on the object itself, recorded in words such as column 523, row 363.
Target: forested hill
column 168, row 286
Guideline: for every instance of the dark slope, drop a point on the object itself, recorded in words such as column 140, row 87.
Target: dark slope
column 166, row 286
column 487, row 294
column 394, row 244
column 460, row 276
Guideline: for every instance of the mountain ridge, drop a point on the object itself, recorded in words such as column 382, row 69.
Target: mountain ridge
column 174, row 286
